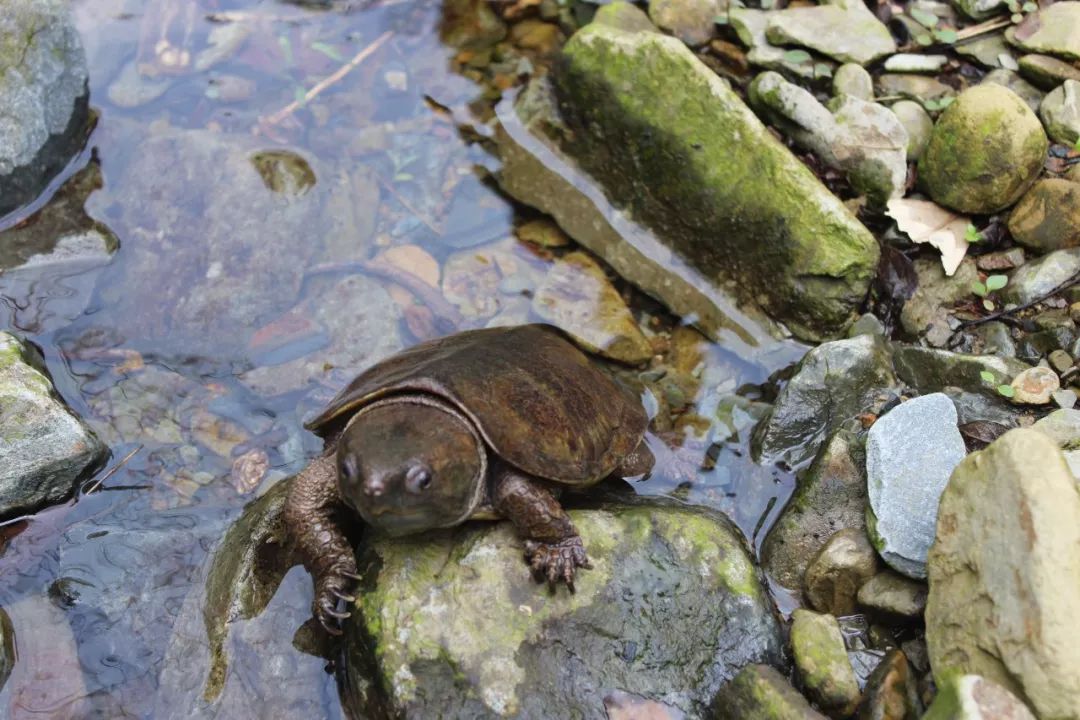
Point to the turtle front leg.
(553, 547)
(311, 511)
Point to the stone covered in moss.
(1060, 112)
(675, 146)
(759, 692)
(822, 662)
(986, 150)
(452, 625)
(46, 450)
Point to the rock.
(46, 449)
(1046, 72)
(1060, 113)
(577, 297)
(666, 582)
(7, 648)
(822, 663)
(910, 453)
(926, 312)
(692, 200)
(844, 30)
(1054, 30)
(915, 63)
(692, 21)
(43, 92)
(1001, 260)
(918, 124)
(1064, 399)
(929, 371)
(759, 691)
(987, 50)
(978, 407)
(1073, 175)
(986, 150)
(1063, 427)
(1011, 79)
(834, 382)
(1003, 573)
(470, 25)
(624, 16)
(853, 79)
(130, 88)
(840, 568)
(970, 697)
(1047, 218)
(750, 25)
(861, 139)
(994, 338)
(979, 9)
(893, 594)
(867, 324)
(891, 690)
(1041, 276)
(830, 496)
(919, 88)
(1035, 385)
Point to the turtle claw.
(329, 589)
(556, 562)
(344, 596)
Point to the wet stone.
(893, 594)
(759, 691)
(891, 690)
(840, 568)
(929, 370)
(1060, 112)
(910, 453)
(1008, 537)
(822, 662)
(1047, 72)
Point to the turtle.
(482, 423)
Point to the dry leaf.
(927, 222)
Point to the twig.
(1012, 311)
(112, 471)
(326, 82)
(408, 206)
(982, 28)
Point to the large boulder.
(1047, 218)
(1004, 572)
(986, 150)
(452, 625)
(46, 450)
(44, 96)
(675, 146)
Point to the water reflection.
(252, 260)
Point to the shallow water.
(234, 306)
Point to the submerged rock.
(736, 204)
(986, 150)
(1047, 218)
(1054, 30)
(830, 496)
(822, 662)
(1060, 112)
(861, 139)
(46, 450)
(910, 453)
(44, 95)
(759, 691)
(1004, 571)
(834, 382)
(971, 697)
(845, 30)
(671, 609)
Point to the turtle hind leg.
(311, 519)
(553, 547)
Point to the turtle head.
(411, 463)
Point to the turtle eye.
(350, 469)
(418, 478)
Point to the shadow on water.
(207, 297)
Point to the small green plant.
(972, 234)
(938, 104)
(983, 289)
(1002, 389)
(1076, 145)
(931, 22)
(1019, 10)
(797, 57)
(1006, 390)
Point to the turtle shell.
(536, 399)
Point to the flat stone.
(915, 63)
(47, 450)
(918, 124)
(822, 663)
(1060, 113)
(920, 88)
(987, 50)
(840, 568)
(834, 382)
(1041, 276)
(893, 594)
(829, 497)
(759, 691)
(845, 31)
(987, 132)
(1047, 72)
(1003, 572)
(910, 453)
(970, 697)
(929, 370)
(1047, 218)
(750, 25)
(1054, 30)
(1035, 385)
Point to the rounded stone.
(853, 79)
(822, 662)
(1035, 386)
(918, 124)
(985, 151)
(1047, 218)
(1060, 113)
(835, 574)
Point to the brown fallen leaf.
(927, 222)
(248, 470)
(980, 433)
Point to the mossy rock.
(452, 624)
(985, 151)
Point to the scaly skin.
(552, 546)
(312, 513)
